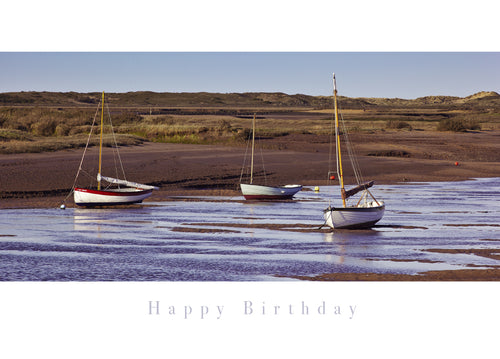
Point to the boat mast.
(100, 145)
(337, 140)
(253, 148)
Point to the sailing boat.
(132, 193)
(259, 192)
(368, 210)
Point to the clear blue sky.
(359, 74)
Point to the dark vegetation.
(459, 125)
(484, 101)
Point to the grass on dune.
(52, 129)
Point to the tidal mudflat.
(431, 231)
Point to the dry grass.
(47, 144)
(37, 129)
(209, 129)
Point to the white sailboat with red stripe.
(263, 192)
(110, 191)
(367, 210)
(133, 193)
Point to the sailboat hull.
(88, 197)
(354, 217)
(258, 192)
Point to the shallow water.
(229, 239)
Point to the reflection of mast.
(337, 140)
(100, 144)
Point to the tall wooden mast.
(253, 148)
(337, 140)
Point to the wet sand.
(45, 179)
(460, 275)
(490, 273)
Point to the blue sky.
(359, 74)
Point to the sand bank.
(45, 179)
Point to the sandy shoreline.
(459, 275)
(33, 180)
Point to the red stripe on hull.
(113, 193)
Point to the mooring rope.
(245, 159)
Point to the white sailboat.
(261, 192)
(367, 210)
(132, 192)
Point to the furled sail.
(351, 192)
(125, 183)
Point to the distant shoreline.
(276, 100)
